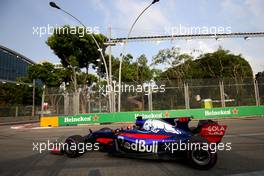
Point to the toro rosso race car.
(164, 139)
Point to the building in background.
(12, 65)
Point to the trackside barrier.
(97, 118)
(49, 121)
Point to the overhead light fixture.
(122, 43)
(158, 42)
(52, 4)
(155, 1)
(218, 39)
(247, 38)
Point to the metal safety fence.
(157, 95)
(147, 96)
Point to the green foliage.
(144, 73)
(75, 49)
(88, 79)
(13, 94)
(223, 64)
(260, 76)
(137, 71)
(79, 50)
(156, 73)
(48, 74)
(219, 64)
(54, 77)
(171, 57)
(260, 79)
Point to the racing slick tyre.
(73, 142)
(105, 129)
(201, 157)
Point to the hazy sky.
(19, 17)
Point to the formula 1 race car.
(164, 139)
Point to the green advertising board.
(242, 111)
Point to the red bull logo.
(141, 146)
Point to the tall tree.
(171, 57)
(48, 74)
(219, 64)
(77, 49)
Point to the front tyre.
(75, 146)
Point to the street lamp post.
(112, 95)
(123, 51)
(54, 5)
(33, 97)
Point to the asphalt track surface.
(17, 157)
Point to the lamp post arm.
(98, 46)
(124, 49)
(52, 4)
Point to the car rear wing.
(213, 133)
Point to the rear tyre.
(105, 129)
(201, 158)
(75, 146)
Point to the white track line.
(256, 173)
(244, 135)
(16, 127)
(37, 128)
